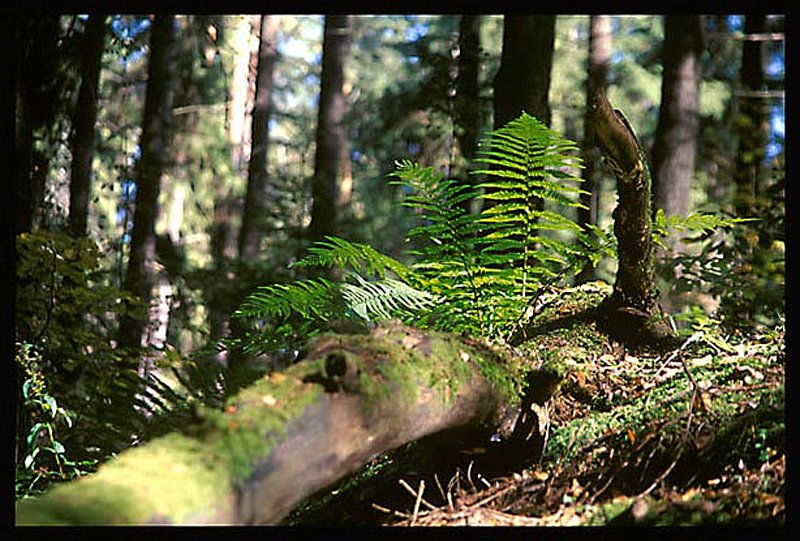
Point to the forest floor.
(695, 436)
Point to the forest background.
(167, 166)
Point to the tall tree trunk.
(40, 88)
(523, 80)
(256, 198)
(153, 143)
(23, 157)
(239, 89)
(752, 122)
(597, 69)
(331, 138)
(675, 143)
(468, 109)
(83, 121)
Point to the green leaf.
(33, 433)
(52, 406)
(57, 447)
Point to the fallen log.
(293, 433)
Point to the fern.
(362, 258)
(700, 223)
(489, 266)
(474, 273)
(530, 163)
(384, 299)
(448, 236)
(283, 315)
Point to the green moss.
(181, 478)
(165, 480)
(255, 420)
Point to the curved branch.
(632, 313)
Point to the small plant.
(709, 266)
(45, 456)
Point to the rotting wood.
(631, 314)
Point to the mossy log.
(292, 433)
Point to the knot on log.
(339, 374)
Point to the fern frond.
(335, 251)
(314, 298)
(384, 299)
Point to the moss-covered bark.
(631, 313)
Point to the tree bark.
(256, 202)
(290, 434)
(330, 191)
(240, 28)
(752, 122)
(675, 144)
(154, 141)
(42, 85)
(467, 105)
(468, 109)
(597, 68)
(83, 122)
(631, 314)
(523, 80)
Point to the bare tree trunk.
(752, 122)
(139, 278)
(331, 148)
(466, 102)
(468, 109)
(40, 86)
(675, 144)
(256, 200)
(84, 118)
(523, 80)
(240, 83)
(597, 68)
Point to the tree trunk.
(523, 80)
(330, 160)
(752, 123)
(631, 313)
(40, 88)
(597, 68)
(291, 434)
(83, 122)
(256, 202)
(468, 107)
(675, 144)
(154, 140)
(239, 88)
